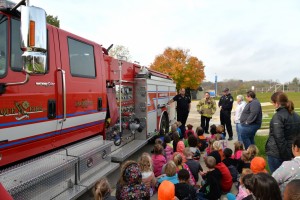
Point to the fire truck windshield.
(3, 45)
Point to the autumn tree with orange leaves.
(187, 71)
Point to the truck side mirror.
(33, 39)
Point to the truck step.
(78, 190)
(127, 150)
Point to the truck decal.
(22, 110)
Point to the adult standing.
(183, 107)
(237, 114)
(206, 107)
(225, 105)
(251, 119)
(284, 127)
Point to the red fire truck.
(69, 113)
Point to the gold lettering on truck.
(84, 103)
(22, 110)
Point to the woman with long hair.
(284, 127)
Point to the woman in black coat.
(284, 127)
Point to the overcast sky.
(235, 39)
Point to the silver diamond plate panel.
(41, 179)
(94, 160)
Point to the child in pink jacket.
(168, 148)
(158, 159)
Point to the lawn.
(266, 97)
(260, 142)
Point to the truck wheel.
(164, 124)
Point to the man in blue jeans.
(251, 119)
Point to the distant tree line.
(240, 86)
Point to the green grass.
(266, 97)
(260, 142)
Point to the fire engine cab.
(69, 112)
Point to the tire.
(164, 124)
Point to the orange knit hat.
(258, 164)
(166, 191)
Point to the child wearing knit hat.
(258, 164)
(166, 191)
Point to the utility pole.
(216, 85)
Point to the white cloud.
(249, 39)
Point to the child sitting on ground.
(102, 190)
(211, 187)
(253, 151)
(182, 189)
(174, 129)
(130, 185)
(244, 162)
(202, 142)
(210, 146)
(258, 164)
(181, 165)
(193, 144)
(213, 131)
(159, 141)
(176, 139)
(178, 124)
(238, 149)
(189, 130)
(185, 141)
(158, 159)
(169, 173)
(166, 191)
(242, 193)
(228, 160)
(292, 191)
(217, 146)
(226, 180)
(230, 163)
(193, 165)
(148, 177)
(262, 186)
(168, 148)
(180, 148)
(221, 131)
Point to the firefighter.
(183, 108)
(225, 105)
(206, 107)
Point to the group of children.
(174, 171)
